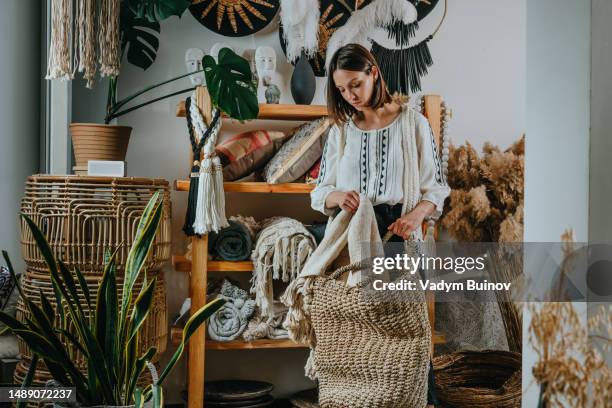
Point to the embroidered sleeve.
(326, 183)
(434, 187)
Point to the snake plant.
(109, 337)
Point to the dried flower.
(486, 202)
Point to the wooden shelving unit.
(255, 187)
(199, 266)
(278, 111)
(176, 333)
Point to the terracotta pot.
(92, 141)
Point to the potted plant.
(138, 20)
(109, 337)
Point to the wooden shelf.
(182, 264)
(176, 333)
(278, 111)
(255, 187)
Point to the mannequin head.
(193, 62)
(265, 60)
(214, 50)
(354, 82)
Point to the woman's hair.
(353, 57)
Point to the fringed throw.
(229, 322)
(283, 246)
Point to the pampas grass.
(486, 201)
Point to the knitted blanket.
(260, 327)
(283, 246)
(229, 322)
(234, 243)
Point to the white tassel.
(202, 223)
(362, 22)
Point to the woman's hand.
(409, 222)
(346, 200)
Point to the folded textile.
(283, 246)
(229, 322)
(260, 327)
(234, 243)
(345, 230)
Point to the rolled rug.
(234, 243)
(229, 322)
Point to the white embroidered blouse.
(372, 164)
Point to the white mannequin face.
(193, 62)
(265, 59)
(214, 51)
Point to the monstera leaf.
(157, 10)
(139, 38)
(230, 85)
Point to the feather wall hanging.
(403, 68)
(400, 32)
(300, 21)
(378, 14)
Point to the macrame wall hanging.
(234, 18)
(378, 14)
(331, 15)
(403, 68)
(206, 200)
(83, 31)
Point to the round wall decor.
(234, 18)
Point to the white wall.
(557, 144)
(600, 222)
(20, 45)
(479, 67)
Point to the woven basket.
(154, 332)
(369, 352)
(479, 379)
(82, 217)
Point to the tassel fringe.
(413, 63)
(401, 33)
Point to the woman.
(372, 159)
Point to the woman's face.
(355, 86)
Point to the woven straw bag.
(370, 350)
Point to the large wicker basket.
(154, 332)
(489, 378)
(82, 217)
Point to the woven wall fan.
(234, 18)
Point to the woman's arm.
(326, 182)
(434, 188)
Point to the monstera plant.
(110, 336)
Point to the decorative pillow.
(313, 174)
(246, 152)
(299, 153)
